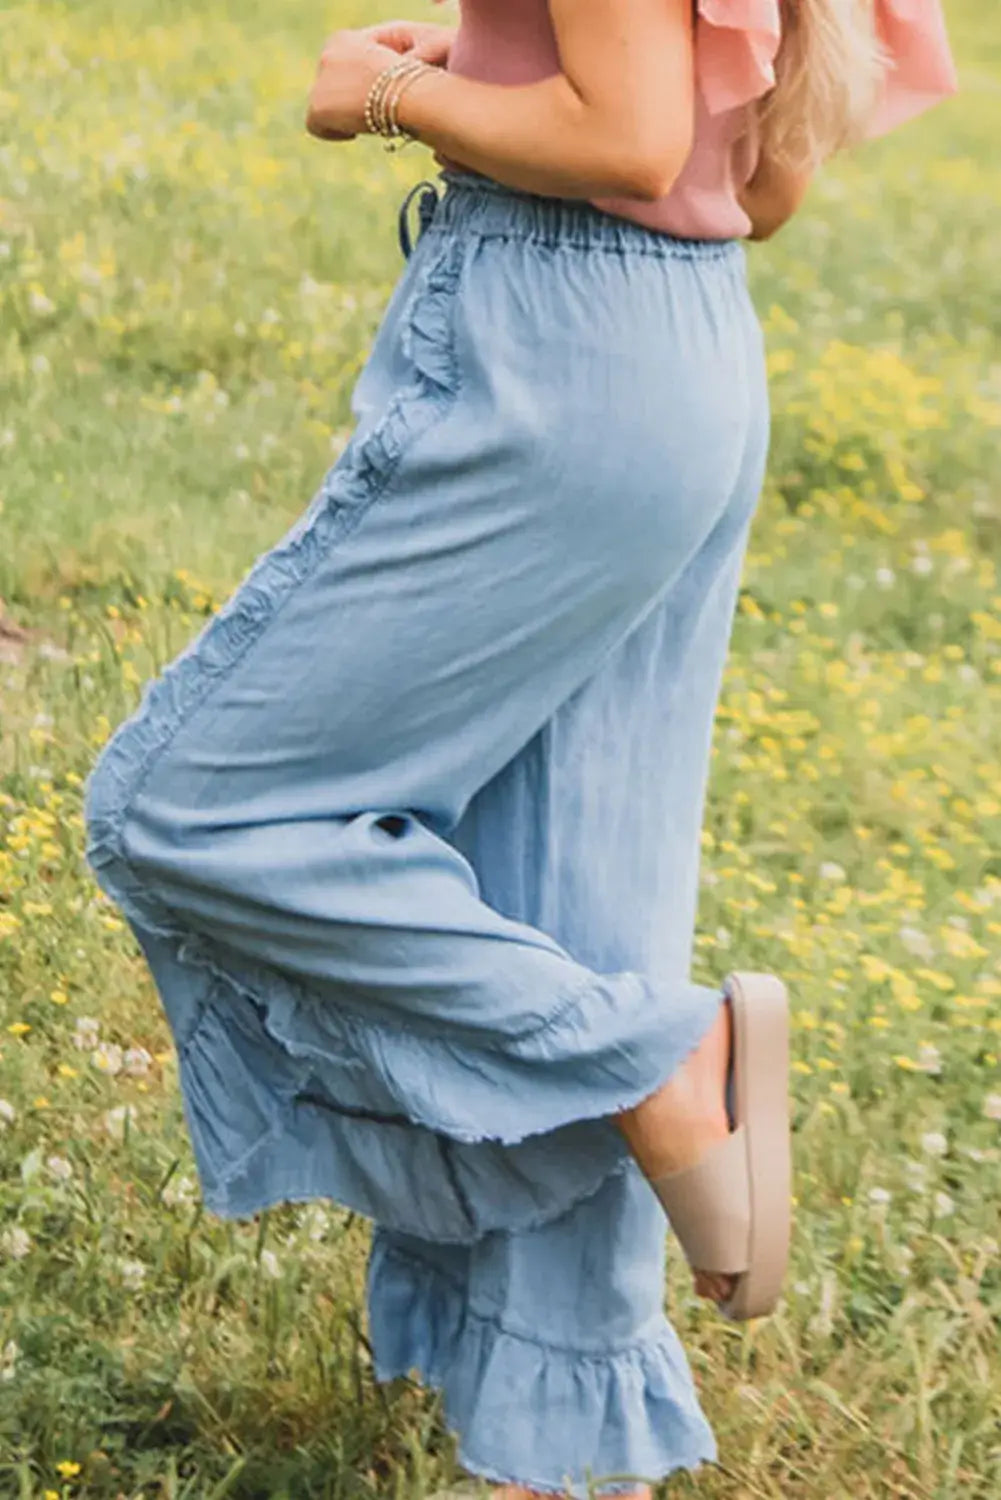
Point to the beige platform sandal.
(731, 1211)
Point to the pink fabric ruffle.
(923, 70)
(736, 44)
(735, 51)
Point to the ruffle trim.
(735, 53)
(923, 71)
(362, 471)
(443, 1137)
(529, 1413)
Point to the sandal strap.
(709, 1206)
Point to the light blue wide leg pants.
(410, 834)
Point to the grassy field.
(188, 284)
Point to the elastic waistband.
(484, 206)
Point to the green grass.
(188, 285)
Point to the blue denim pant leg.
(550, 1346)
(560, 433)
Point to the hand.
(348, 64)
(423, 38)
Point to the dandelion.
(85, 1033)
(67, 1469)
(15, 1242)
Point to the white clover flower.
(270, 1265)
(8, 1114)
(879, 1196)
(179, 1192)
(15, 1242)
(317, 1223)
(8, 1360)
(137, 1062)
(85, 1033)
(992, 1107)
(829, 870)
(922, 565)
(117, 1120)
(944, 1205)
(59, 1168)
(934, 1143)
(917, 942)
(885, 578)
(723, 938)
(132, 1272)
(929, 1058)
(107, 1058)
(916, 1176)
(902, 1260)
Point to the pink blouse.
(512, 41)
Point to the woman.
(410, 834)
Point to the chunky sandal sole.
(731, 1211)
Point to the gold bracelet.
(384, 95)
(389, 99)
(403, 83)
(375, 113)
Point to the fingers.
(396, 34)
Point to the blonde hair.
(828, 71)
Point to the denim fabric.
(409, 834)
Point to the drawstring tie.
(426, 205)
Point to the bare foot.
(675, 1127)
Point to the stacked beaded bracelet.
(383, 99)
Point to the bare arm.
(617, 119)
(772, 197)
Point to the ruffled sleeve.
(735, 47)
(922, 71)
(737, 41)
